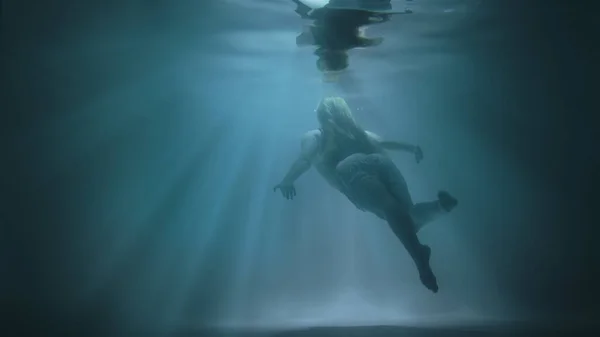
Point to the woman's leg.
(426, 212)
(366, 179)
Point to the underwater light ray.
(269, 272)
(263, 164)
(271, 234)
(229, 170)
(253, 228)
(291, 225)
(278, 248)
(380, 262)
(335, 265)
(134, 202)
(344, 231)
(165, 246)
(225, 165)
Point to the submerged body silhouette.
(353, 161)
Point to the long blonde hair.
(340, 127)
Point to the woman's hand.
(287, 190)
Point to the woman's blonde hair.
(336, 112)
(349, 137)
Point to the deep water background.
(142, 140)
